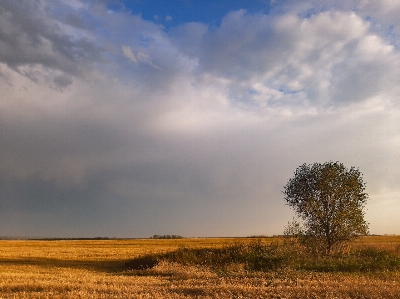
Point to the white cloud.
(143, 57)
(385, 11)
(128, 53)
(300, 60)
(382, 15)
(76, 4)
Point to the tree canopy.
(330, 200)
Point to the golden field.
(95, 269)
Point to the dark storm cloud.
(29, 37)
(62, 81)
(38, 195)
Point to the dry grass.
(95, 269)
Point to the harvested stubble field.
(96, 269)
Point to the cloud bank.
(112, 125)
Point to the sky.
(188, 117)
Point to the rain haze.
(134, 118)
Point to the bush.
(142, 263)
(257, 256)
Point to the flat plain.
(96, 269)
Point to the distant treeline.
(70, 239)
(166, 237)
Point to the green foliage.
(364, 260)
(257, 256)
(329, 199)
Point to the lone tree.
(329, 199)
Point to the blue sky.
(176, 12)
(135, 118)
